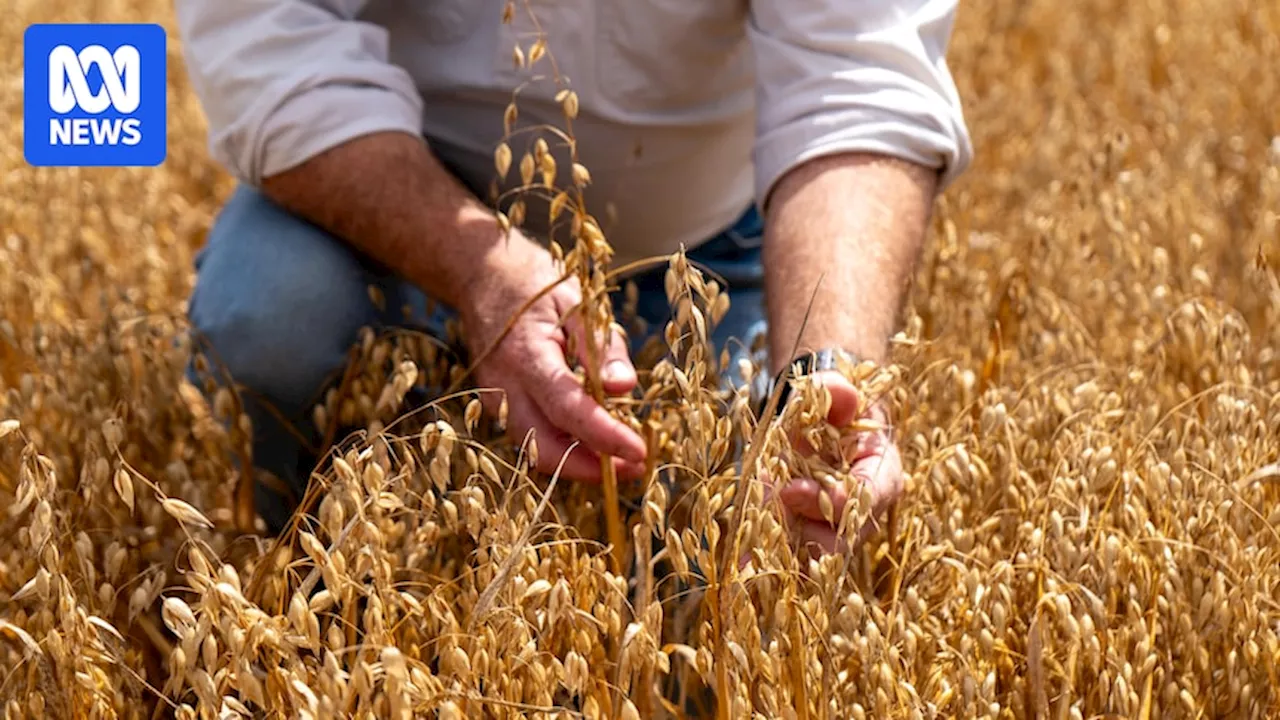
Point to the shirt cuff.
(927, 139)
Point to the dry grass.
(1087, 385)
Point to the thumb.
(844, 398)
(617, 373)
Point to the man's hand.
(530, 365)
(388, 196)
(872, 459)
(842, 235)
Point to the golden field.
(1087, 394)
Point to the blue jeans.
(278, 302)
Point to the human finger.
(882, 473)
(843, 410)
(582, 465)
(614, 367)
(564, 402)
(820, 535)
(803, 498)
(844, 407)
(617, 374)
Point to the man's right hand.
(389, 196)
(530, 363)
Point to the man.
(783, 142)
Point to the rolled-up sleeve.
(281, 81)
(855, 75)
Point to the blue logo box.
(94, 95)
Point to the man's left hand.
(873, 461)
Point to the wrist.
(506, 270)
(825, 359)
(860, 351)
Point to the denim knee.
(278, 301)
(734, 258)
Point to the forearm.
(389, 197)
(844, 231)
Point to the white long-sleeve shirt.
(690, 110)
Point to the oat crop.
(1086, 392)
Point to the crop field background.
(1086, 392)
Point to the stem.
(613, 522)
(643, 538)
(798, 658)
(721, 654)
(612, 518)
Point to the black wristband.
(824, 359)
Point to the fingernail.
(617, 370)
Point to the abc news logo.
(69, 89)
(95, 95)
